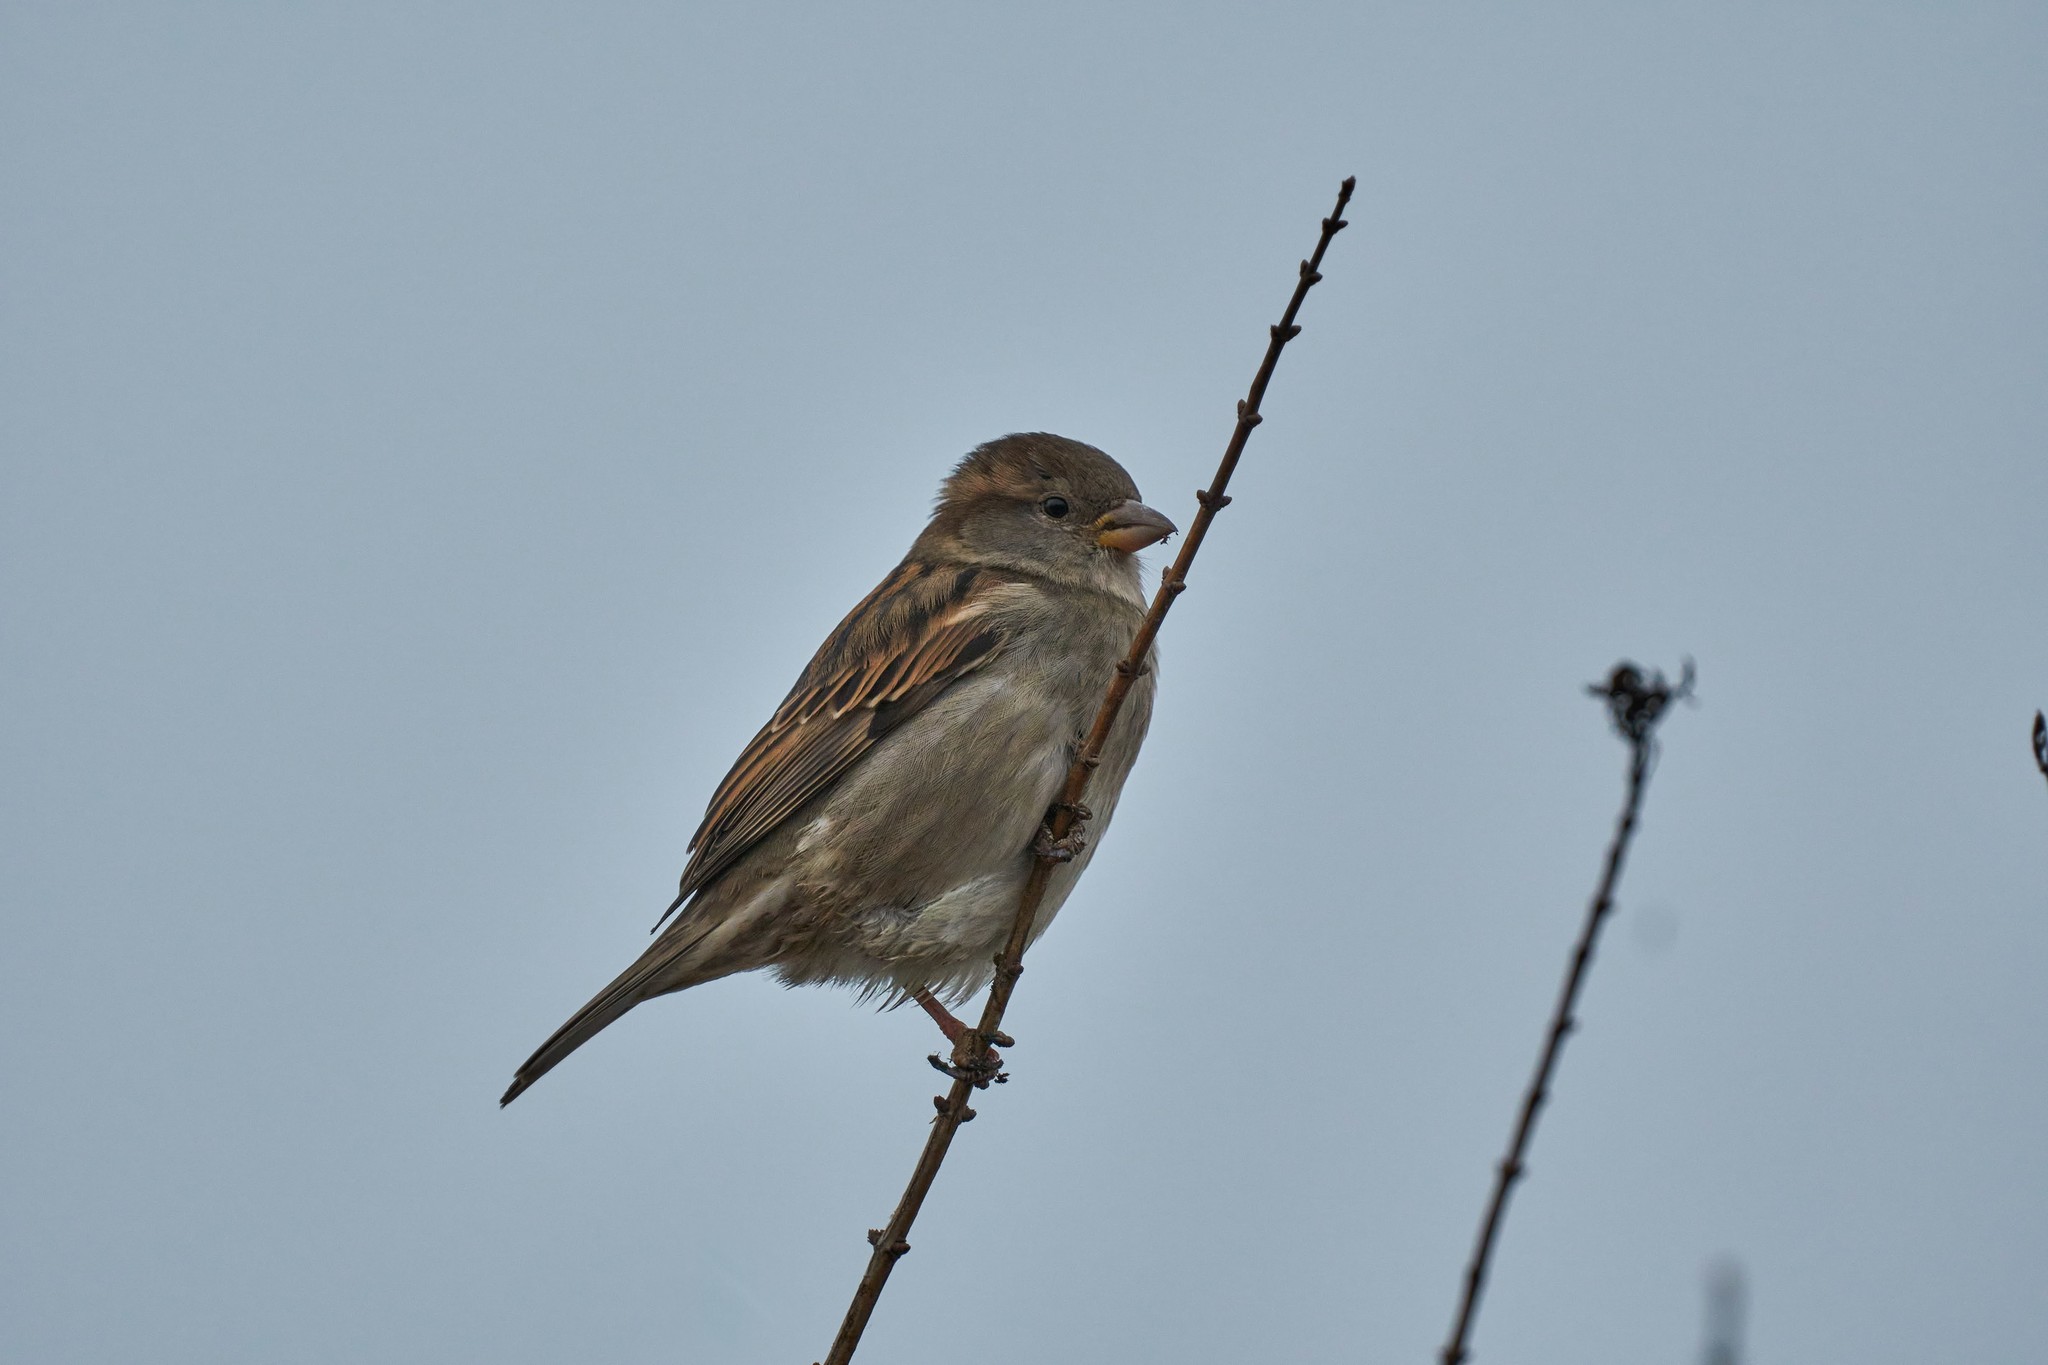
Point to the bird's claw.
(979, 1072)
(1061, 850)
(974, 1061)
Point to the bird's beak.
(1131, 526)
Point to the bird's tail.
(666, 966)
(613, 1001)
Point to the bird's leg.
(965, 1065)
(941, 1016)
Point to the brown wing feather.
(920, 630)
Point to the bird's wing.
(924, 627)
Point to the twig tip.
(1637, 700)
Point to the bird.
(878, 831)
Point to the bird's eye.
(1054, 507)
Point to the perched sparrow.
(879, 830)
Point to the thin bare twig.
(1727, 1305)
(1635, 704)
(890, 1243)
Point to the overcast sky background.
(436, 435)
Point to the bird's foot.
(980, 1072)
(972, 1058)
(1064, 849)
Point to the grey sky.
(436, 435)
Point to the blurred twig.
(969, 1070)
(1635, 703)
(2041, 743)
(1727, 1305)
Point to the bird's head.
(1046, 505)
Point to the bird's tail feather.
(664, 967)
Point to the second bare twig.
(1635, 703)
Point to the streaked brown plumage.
(877, 831)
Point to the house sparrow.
(879, 829)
